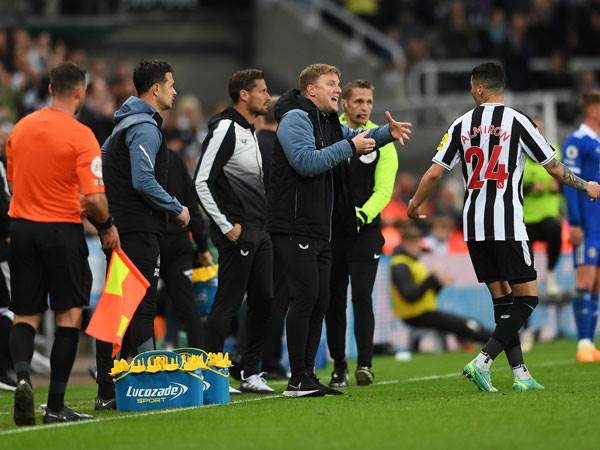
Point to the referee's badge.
(368, 158)
(442, 142)
(96, 167)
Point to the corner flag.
(123, 291)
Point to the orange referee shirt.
(52, 159)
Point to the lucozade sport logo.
(157, 395)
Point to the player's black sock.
(509, 324)
(62, 358)
(21, 349)
(514, 355)
(5, 327)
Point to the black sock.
(104, 362)
(510, 323)
(64, 351)
(21, 349)
(5, 327)
(513, 351)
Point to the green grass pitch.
(421, 404)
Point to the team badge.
(368, 158)
(592, 252)
(442, 142)
(572, 152)
(96, 167)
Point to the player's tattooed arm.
(564, 175)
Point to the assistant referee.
(51, 159)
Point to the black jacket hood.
(229, 113)
(293, 99)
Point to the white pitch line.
(237, 402)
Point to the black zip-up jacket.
(131, 211)
(309, 144)
(299, 204)
(229, 177)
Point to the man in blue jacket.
(135, 168)
(310, 142)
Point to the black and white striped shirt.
(492, 142)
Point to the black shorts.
(510, 261)
(48, 259)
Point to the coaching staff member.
(51, 159)
(135, 159)
(363, 187)
(229, 183)
(310, 142)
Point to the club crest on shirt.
(96, 167)
(592, 252)
(571, 152)
(368, 158)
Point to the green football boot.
(526, 385)
(480, 377)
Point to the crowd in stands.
(511, 31)
(25, 61)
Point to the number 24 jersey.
(492, 143)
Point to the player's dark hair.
(356, 84)
(149, 72)
(243, 80)
(66, 77)
(491, 75)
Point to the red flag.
(123, 291)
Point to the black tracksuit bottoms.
(306, 263)
(245, 267)
(355, 260)
(143, 251)
(176, 263)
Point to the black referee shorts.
(510, 261)
(48, 259)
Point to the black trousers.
(176, 263)
(143, 250)
(549, 231)
(466, 329)
(272, 351)
(307, 265)
(245, 267)
(354, 261)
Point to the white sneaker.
(255, 383)
(234, 391)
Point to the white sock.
(483, 361)
(585, 343)
(521, 372)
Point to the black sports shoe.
(364, 376)
(7, 383)
(339, 378)
(326, 389)
(23, 413)
(303, 386)
(64, 415)
(101, 404)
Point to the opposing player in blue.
(581, 153)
